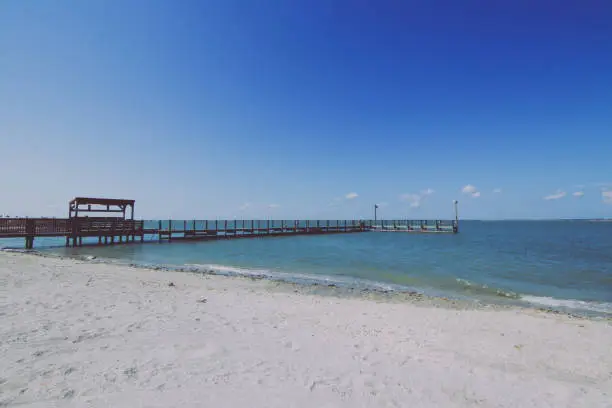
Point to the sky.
(319, 109)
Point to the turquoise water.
(557, 264)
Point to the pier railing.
(177, 229)
(19, 227)
(111, 230)
(416, 225)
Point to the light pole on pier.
(375, 215)
(456, 227)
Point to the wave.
(477, 288)
(569, 304)
(301, 278)
(549, 302)
(465, 289)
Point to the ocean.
(562, 265)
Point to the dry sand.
(78, 334)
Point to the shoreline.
(77, 333)
(317, 286)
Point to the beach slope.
(76, 334)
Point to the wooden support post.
(99, 239)
(30, 229)
(169, 230)
(268, 226)
(307, 226)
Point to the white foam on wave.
(303, 278)
(599, 307)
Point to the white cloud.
(244, 206)
(497, 190)
(471, 190)
(273, 206)
(578, 194)
(415, 200)
(606, 196)
(427, 192)
(559, 194)
(351, 196)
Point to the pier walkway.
(117, 229)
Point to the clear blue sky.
(283, 109)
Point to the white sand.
(77, 335)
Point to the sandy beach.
(78, 334)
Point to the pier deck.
(116, 231)
(109, 229)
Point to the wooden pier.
(224, 229)
(417, 226)
(108, 230)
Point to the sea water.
(563, 265)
